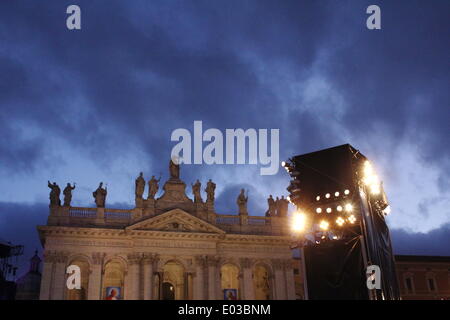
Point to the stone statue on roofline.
(153, 187)
(271, 207)
(68, 194)
(210, 190)
(54, 194)
(100, 196)
(196, 188)
(242, 202)
(140, 185)
(174, 168)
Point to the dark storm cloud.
(117, 63)
(435, 242)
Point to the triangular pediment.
(175, 220)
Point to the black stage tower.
(341, 208)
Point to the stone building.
(28, 285)
(423, 277)
(169, 247)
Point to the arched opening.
(79, 294)
(168, 291)
(229, 274)
(113, 281)
(261, 283)
(174, 275)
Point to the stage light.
(328, 210)
(319, 210)
(340, 221)
(327, 196)
(317, 198)
(336, 194)
(335, 237)
(348, 207)
(324, 225)
(288, 198)
(375, 189)
(283, 163)
(347, 192)
(339, 208)
(352, 219)
(298, 221)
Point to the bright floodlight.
(340, 221)
(327, 195)
(348, 207)
(324, 225)
(347, 192)
(375, 189)
(370, 178)
(298, 222)
(328, 210)
(339, 208)
(336, 194)
(352, 219)
(319, 210)
(317, 198)
(283, 163)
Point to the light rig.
(340, 224)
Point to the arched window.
(229, 278)
(431, 282)
(82, 293)
(261, 282)
(113, 281)
(408, 282)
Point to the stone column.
(212, 270)
(199, 280)
(161, 280)
(290, 281)
(95, 277)
(280, 281)
(59, 277)
(249, 291)
(185, 286)
(47, 274)
(134, 260)
(147, 268)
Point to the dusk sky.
(100, 103)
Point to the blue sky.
(99, 104)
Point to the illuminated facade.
(171, 247)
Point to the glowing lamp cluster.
(336, 195)
(348, 207)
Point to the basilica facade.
(171, 247)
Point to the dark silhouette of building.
(8, 268)
(28, 286)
